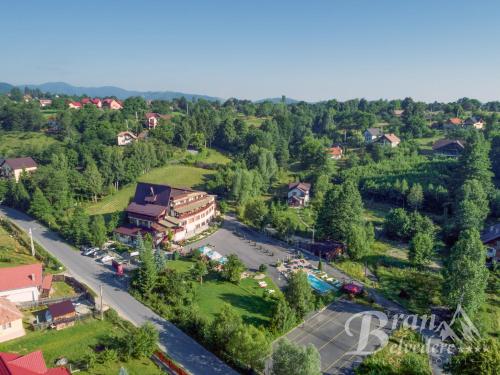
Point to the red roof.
(75, 104)
(96, 100)
(152, 115)
(29, 364)
(8, 311)
(61, 309)
(335, 151)
(391, 138)
(21, 277)
(85, 101)
(304, 186)
(47, 282)
(455, 121)
(20, 163)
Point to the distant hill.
(67, 89)
(5, 87)
(278, 100)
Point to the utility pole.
(32, 244)
(102, 307)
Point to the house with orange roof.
(24, 283)
(29, 364)
(453, 123)
(335, 152)
(389, 140)
(112, 104)
(75, 105)
(11, 321)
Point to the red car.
(353, 289)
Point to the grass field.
(12, 253)
(176, 175)
(247, 298)
(253, 120)
(61, 289)
(73, 343)
(16, 144)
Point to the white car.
(90, 251)
(107, 258)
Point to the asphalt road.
(182, 348)
(326, 331)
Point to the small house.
(372, 134)
(112, 104)
(61, 315)
(29, 364)
(335, 152)
(448, 147)
(491, 239)
(152, 120)
(389, 140)
(97, 102)
(45, 102)
(453, 123)
(74, 105)
(474, 122)
(125, 138)
(11, 321)
(298, 194)
(12, 168)
(23, 283)
(398, 112)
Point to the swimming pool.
(319, 285)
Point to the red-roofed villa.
(29, 364)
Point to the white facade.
(296, 192)
(28, 294)
(196, 223)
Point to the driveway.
(182, 348)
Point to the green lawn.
(247, 298)
(394, 360)
(16, 144)
(209, 156)
(176, 175)
(253, 120)
(61, 289)
(73, 343)
(12, 253)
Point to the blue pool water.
(318, 284)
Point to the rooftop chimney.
(33, 276)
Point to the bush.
(263, 268)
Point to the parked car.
(107, 258)
(91, 251)
(98, 254)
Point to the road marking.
(338, 359)
(333, 338)
(314, 327)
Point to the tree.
(256, 212)
(98, 231)
(224, 326)
(93, 181)
(283, 318)
(421, 249)
(199, 270)
(473, 206)
(341, 210)
(290, 358)
(475, 161)
(483, 359)
(358, 242)
(40, 207)
(232, 269)
(141, 342)
(312, 154)
(466, 274)
(147, 275)
(299, 295)
(250, 346)
(78, 227)
(415, 197)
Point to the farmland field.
(176, 175)
(16, 144)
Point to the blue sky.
(310, 50)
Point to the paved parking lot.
(326, 331)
